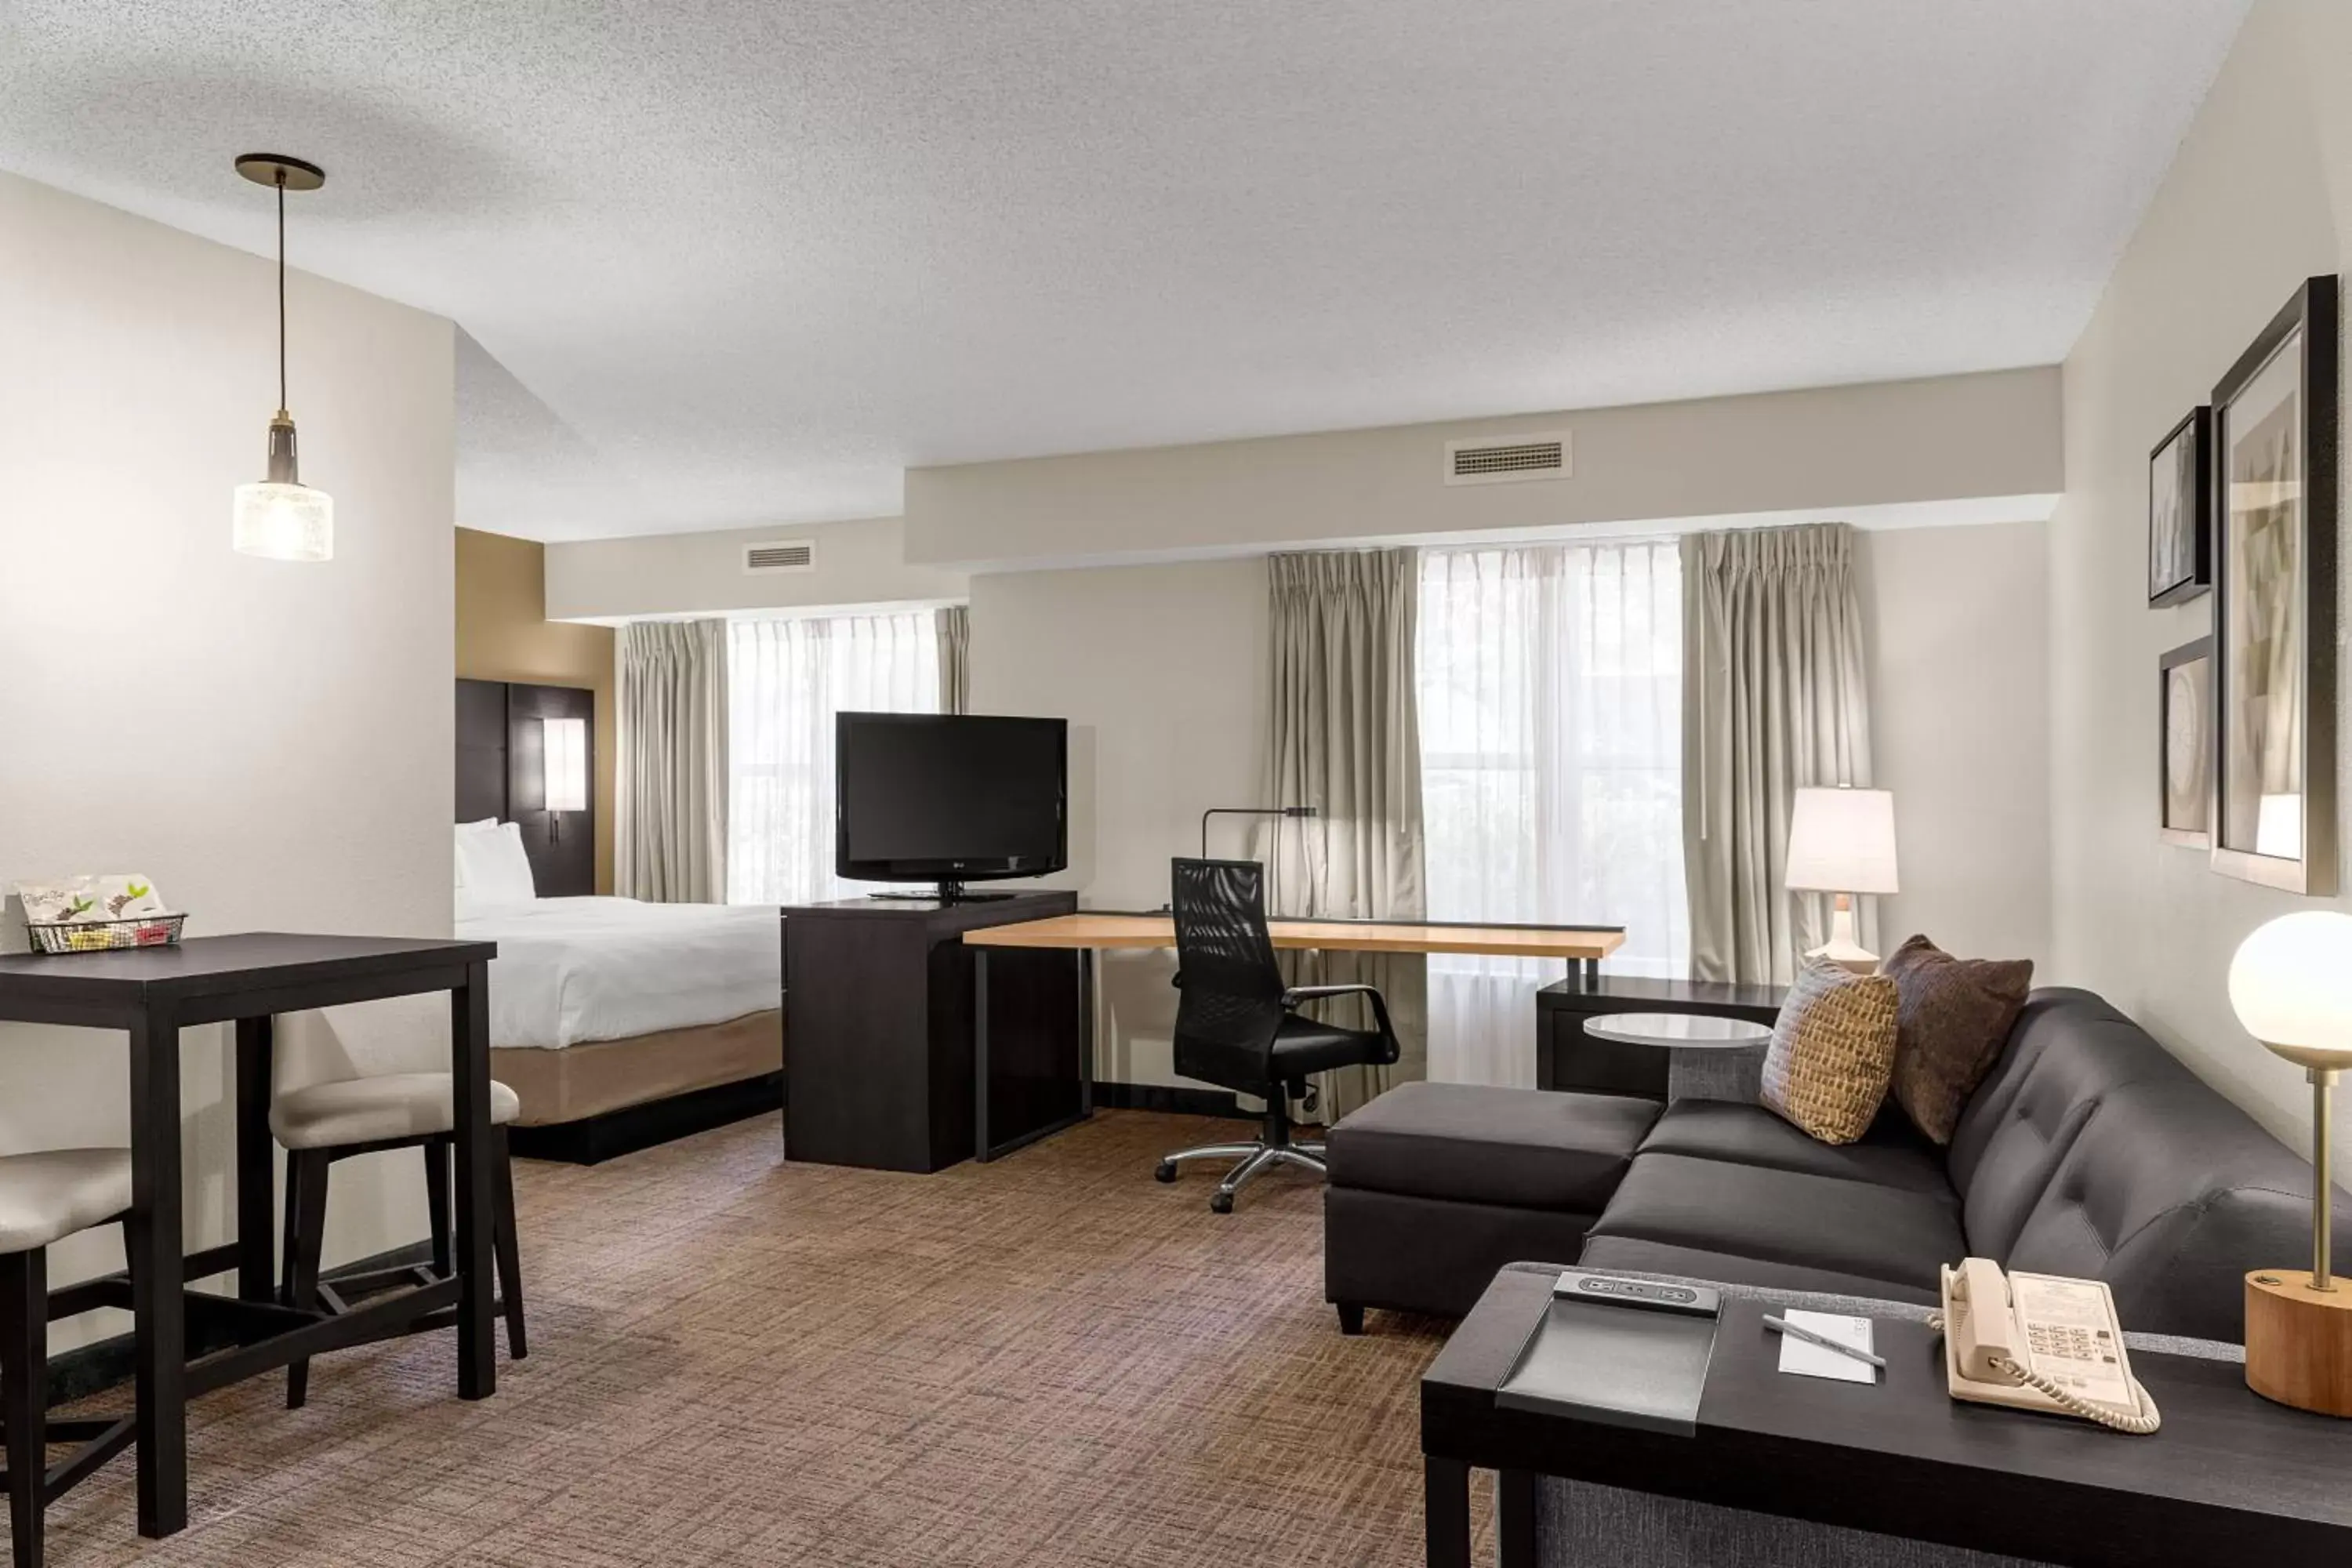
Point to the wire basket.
(105, 936)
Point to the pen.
(1827, 1343)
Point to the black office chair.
(1237, 1024)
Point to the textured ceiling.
(733, 261)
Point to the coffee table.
(2230, 1478)
(1693, 1071)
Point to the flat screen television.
(950, 798)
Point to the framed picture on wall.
(2180, 511)
(2185, 712)
(2273, 818)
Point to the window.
(786, 680)
(1550, 691)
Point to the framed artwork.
(2180, 511)
(2273, 818)
(2185, 707)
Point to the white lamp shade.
(284, 523)
(566, 755)
(1842, 841)
(2290, 984)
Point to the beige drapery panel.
(670, 843)
(1346, 738)
(954, 624)
(1775, 696)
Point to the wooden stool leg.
(306, 1198)
(510, 1249)
(24, 1388)
(437, 1196)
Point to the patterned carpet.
(1048, 1359)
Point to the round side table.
(1714, 1058)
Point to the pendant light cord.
(281, 290)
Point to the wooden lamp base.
(2299, 1341)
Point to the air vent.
(1506, 460)
(783, 555)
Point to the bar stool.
(368, 1111)
(43, 1198)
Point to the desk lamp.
(1842, 841)
(2291, 986)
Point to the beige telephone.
(2035, 1341)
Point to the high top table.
(150, 994)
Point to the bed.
(618, 1024)
(601, 1007)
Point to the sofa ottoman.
(1434, 1186)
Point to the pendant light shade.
(279, 517)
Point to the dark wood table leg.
(980, 1054)
(155, 1241)
(1515, 1519)
(1085, 1031)
(257, 1172)
(1445, 1504)
(470, 1065)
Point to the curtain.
(787, 679)
(1551, 682)
(953, 628)
(670, 836)
(1774, 697)
(1345, 739)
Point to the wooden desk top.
(1117, 930)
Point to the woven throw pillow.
(1955, 1015)
(1832, 1052)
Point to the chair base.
(1272, 1146)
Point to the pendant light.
(281, 518)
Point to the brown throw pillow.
(1832, 1052)
(1955, 1016)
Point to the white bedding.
(573, 969)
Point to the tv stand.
(880, 1009)
(947, 893)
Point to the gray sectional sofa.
(2088, 1151)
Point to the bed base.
(593, 1140)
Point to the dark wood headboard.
(500, 774)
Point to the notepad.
(1815, 1361)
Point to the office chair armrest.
(1299, 995)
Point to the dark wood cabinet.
(878, 997)
(1568, 1059)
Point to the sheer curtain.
(786, 680)
(1551, 686)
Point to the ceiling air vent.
(1505, 459)
(783, 555)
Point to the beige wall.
(858, 562)
(503, 634)
(2259, 198)
(1967, 444)
(1163, 672)
(1959, 678)
(269, 742)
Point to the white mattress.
(573, 969)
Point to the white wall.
(268, 742)
(858, 562)
(1163, 673)
(1968, 445)
(1960, 678)
(2259, 197)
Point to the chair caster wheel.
(1166, 1172)
(1221, 1203)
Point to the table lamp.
(1842, 841)
(2291, 986)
